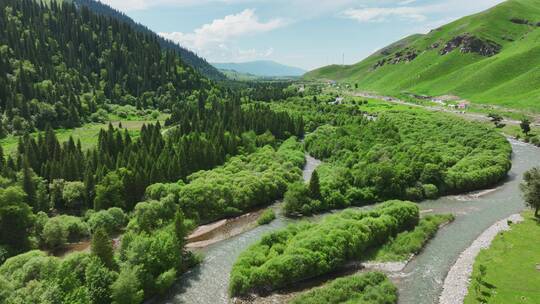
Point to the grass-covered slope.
(507, 272)
(490, 57)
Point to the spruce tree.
(315, 187)
(102, 247)
(28, 184)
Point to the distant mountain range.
(492, 57)
(192, 59)
(263, 68)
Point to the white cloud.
(213, 39)
(407, 2)
(131, 5)
(379, 14)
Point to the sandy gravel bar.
(456, 284)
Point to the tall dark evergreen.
(102, 247)
(314, 186)
(29, 186)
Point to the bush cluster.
(266, 217)
(307, 250)
(369, 288)
(411, 242)
(406, 155)
(243, 183)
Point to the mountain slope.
(261, 68)
(60, 64)
(491, 57)
(188, 56)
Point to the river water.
(420, 282)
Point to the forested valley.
(210, 151)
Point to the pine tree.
(315, 187)
(102, 248)
(29, 186)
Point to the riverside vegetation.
(369, 288)
(224, 149)
(397, 154)
(307, 250)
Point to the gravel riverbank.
(456, 284)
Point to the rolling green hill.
(492, 57)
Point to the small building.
(463, 105)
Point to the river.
(422, 279)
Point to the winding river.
(420, 282)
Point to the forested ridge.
(59, 64)
(61, 67)
(189, 57)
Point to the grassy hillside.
(492, 57)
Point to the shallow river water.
(421, 281)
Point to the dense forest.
(198, 63)
(59, 64)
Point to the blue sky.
(302, 33)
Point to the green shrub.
(411, 242)
(112, 219)
(266, 217)
(54, 234)
(165, 281)
(369, 288)
(430, 191)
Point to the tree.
(16, 218)
(127, 288)
(102, 248)
(180, 227)
(28, 185)
(296, 197)
(314, 186)
(54, 234)
(74, 195)
(109, 192)
(497, 120)
(525, 126)
(531, 189)
(99, 280)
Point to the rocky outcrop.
(467, 43)
(524, 22)
(520, 21)
(404, 56)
